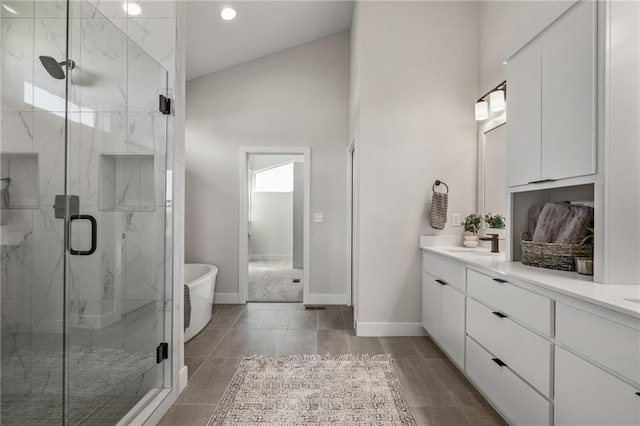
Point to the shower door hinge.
(60, 205)
(162, 352)
(165, 105)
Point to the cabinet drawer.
(587, 395)
(613, 345)
(524, 352)
(516, 399)
(444, 270)
(530, 308)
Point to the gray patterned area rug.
(314, 390)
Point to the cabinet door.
(568, 95)
(431, 306)
(524, 122)
(586, 395)
(452, 310)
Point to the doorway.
(274, 226)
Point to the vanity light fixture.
(496, 100)
(482, 110)
(132, 8)
(228, 13)
(496, 97)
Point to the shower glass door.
(84, 227)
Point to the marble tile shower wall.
(113, 118)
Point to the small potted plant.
(494, 221)
(496, 224)
(471, 227)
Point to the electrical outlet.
(455, 220)
(317, 218)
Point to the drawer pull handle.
(499, 362)
(638, 393)
(499, 314)
(498, 280)
(442, 282)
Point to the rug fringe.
(327, 357)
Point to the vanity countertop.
(622, 298)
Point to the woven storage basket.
(554, 256)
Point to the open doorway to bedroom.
(273, 265)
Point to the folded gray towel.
(563, 223)
(439, 205)
(534, 214)
(187, 307)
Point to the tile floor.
(437, 392)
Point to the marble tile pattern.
(116, 296)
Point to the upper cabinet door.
(524, 120)
(568, 95)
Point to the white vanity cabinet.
(551, 132)
(541, 354)
(509, 355)
(587, 395)
(597, 378)
(443, 305)
(518, 401)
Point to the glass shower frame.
(81, 313)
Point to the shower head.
(55, 68)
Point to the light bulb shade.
(496, 100)
(482, 110)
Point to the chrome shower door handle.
(94, 235)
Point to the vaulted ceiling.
(260, 28)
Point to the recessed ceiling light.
(132, 8)
(10, 9)
(504, 63)
(228, 13)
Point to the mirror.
(492, 167)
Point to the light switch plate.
(455, 220)
(317, 218)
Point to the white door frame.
(351, 232)
(243, 272)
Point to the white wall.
(272, 225)
(414, 107)
(297, 97)
(504, 27)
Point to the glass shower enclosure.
(85, 237)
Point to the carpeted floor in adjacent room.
(274, 281)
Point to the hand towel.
(439, 205)
(563, 223)
(187, 307)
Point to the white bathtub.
(201, 280)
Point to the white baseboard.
(326, 299)
(226, 298)
(389, 329)
(183, 378)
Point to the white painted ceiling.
(261, 28)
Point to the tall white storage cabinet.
(568, 95)
(524, 127)
(552, 97)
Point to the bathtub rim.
(212, 272)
